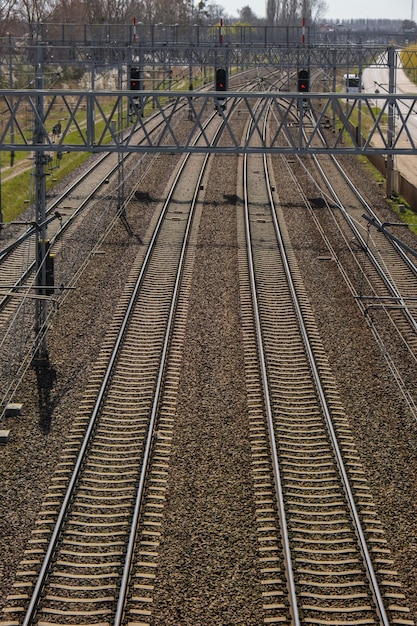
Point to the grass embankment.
(18, 189)
(408, 58)
(18, 180)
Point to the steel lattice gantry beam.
(118, 121)
(202, 53)
(263, 55)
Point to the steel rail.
(394, 369)
(374, 218)
(55, 203)
(74, 215)
(322, 397)
(24, 363)
(95, 413)
(4, 298)
(124, 587)
(4, 254)
(43, 574)
(387, 281)
(30, 231)
(399, 246)
(402, 303)
(326, 412)
(383, 275)
(268, 408)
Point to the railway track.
(78, 220)
(18, 256)
(322, 553)
(327, 524)
(380, 273)
(396, 270)
(101, 480)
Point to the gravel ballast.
(212, 397)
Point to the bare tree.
(319, 10)
(95, 11)
(7, 11)
(291, 12)
(214, 12)
(272, 11)
(34, 10)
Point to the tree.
(272, 11)
(318, 10)
(7, 11)
(33, 11)
(291, 12)
(409, 26)
(214, 12)
(247, 16)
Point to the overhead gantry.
(112, 121)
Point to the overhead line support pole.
(41, 357)
(391, 120)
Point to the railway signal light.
(134, 79)
(303, 81)
(221, 85)
(221, 79)
(135, 84)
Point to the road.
(375, 79)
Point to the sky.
(339, 9)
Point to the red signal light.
(134, 79)
(221, 78)
(303, 80)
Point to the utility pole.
(1, 202)
(41, 357)
(391, 119)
